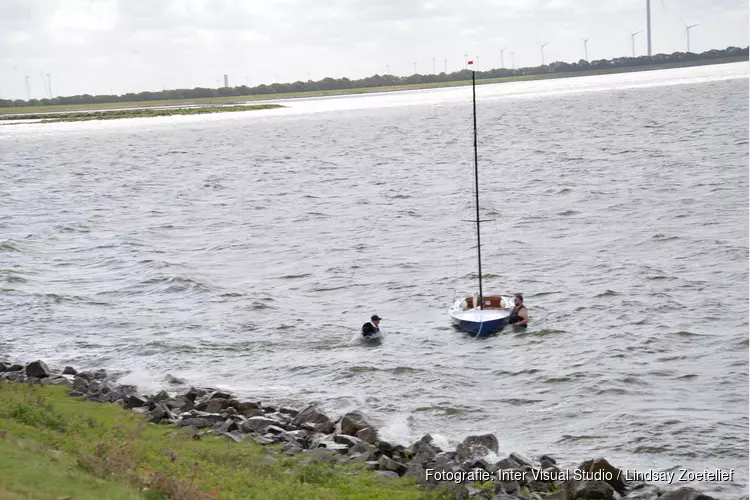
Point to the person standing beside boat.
(519, 316)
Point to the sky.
(119, 46)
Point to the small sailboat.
(481, 315)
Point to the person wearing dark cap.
(370, 329)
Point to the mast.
(476, 186)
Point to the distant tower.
(226, 80)
(586, 48)
(648, 25)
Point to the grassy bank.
(133, 113)
(55, 446)
(322, 93)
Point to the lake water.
(245, 250)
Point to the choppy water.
(246, 250)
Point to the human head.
(518, 299)
(375, 319)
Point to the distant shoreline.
(19, 112)
(82, 115)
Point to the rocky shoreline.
(469, 471)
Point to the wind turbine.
(687, 32)
(648, 24)
(586, 48)
(502, 60)
(513, 60)
(542, 51)
(632, 40)
(466, 61)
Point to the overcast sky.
(118, 46)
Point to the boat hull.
(478, 322)
(482, 328)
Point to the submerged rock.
(475, 448)
(520, 460)
(489, 441)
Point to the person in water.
(519, 316)
(370, 329)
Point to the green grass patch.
(134, 113)
(56, 446)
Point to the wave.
(683, 333)
(8, 246)
(173, 284)
(530, 371)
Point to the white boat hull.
(481, 322)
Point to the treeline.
(379, 80)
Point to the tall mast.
(476, 186)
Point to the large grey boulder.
(353, 422)
(313, 419)
(38, 369)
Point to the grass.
(54, 446)
(322, 93)
(133, 113)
